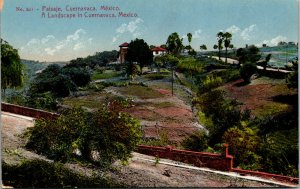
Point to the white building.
(158, 51)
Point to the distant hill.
(281, 55)
(32, 67)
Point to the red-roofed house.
(158, 51)
(122, 52)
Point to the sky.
(44, 38)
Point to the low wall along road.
(222, 162)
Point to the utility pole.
(286, 47)
(172, 81)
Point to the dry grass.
(259, 95)
(93, 100)
(140, 92)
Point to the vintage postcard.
(138, 93)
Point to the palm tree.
(220, 42)
(227, 39)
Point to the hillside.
(205, 104)
(142, 171)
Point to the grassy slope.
(264, 96)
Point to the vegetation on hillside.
(258, 141)
(253, 141)
(42, 174)
(11, 67)
(100, 138)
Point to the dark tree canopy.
(139, 51)
(219, 46)
(79, 76)
(203, 47)
(100, 59)
(250, 54)
(60, 81)
(174, 44)
(227, 37)
(247, 70)
(11, 67)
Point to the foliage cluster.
(100, 137)
(132, 70)
(223, 112)
(11, 67)
(60, 81)
(292, 78)
(190, 66)
(99, 59)
(198, 141)
(227, 75)
(139, 51)
(174, 44)
(210, 82)
(104, 75)
(249, 54)
(157, 76)
(268, 144)
(162, 140)
(247, 70)
(139, 91)
(42, 174)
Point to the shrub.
(228, 75)
(292, 78)
(209, 83)
(45, 101)
(223, 112)
(131, 70)
(198, 141)
(244, 144)
(59, 81)
(162, 140)
(42, 174)
(108, 133)
(247, 70)
(157, 76)
(79, 76)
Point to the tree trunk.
(4, 95)
(226, 55)
(141, 67)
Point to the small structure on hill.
(123, 52)
(157, 51)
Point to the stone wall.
(30, 112)
(222, 161)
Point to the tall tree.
(174, 44)
(220, 43)
(11, 67)
(139, 51)
(292, 78)
(250, 54)
(227, 39)
(189, 35)
(267, 59)
(215, 46)
(203, 47)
